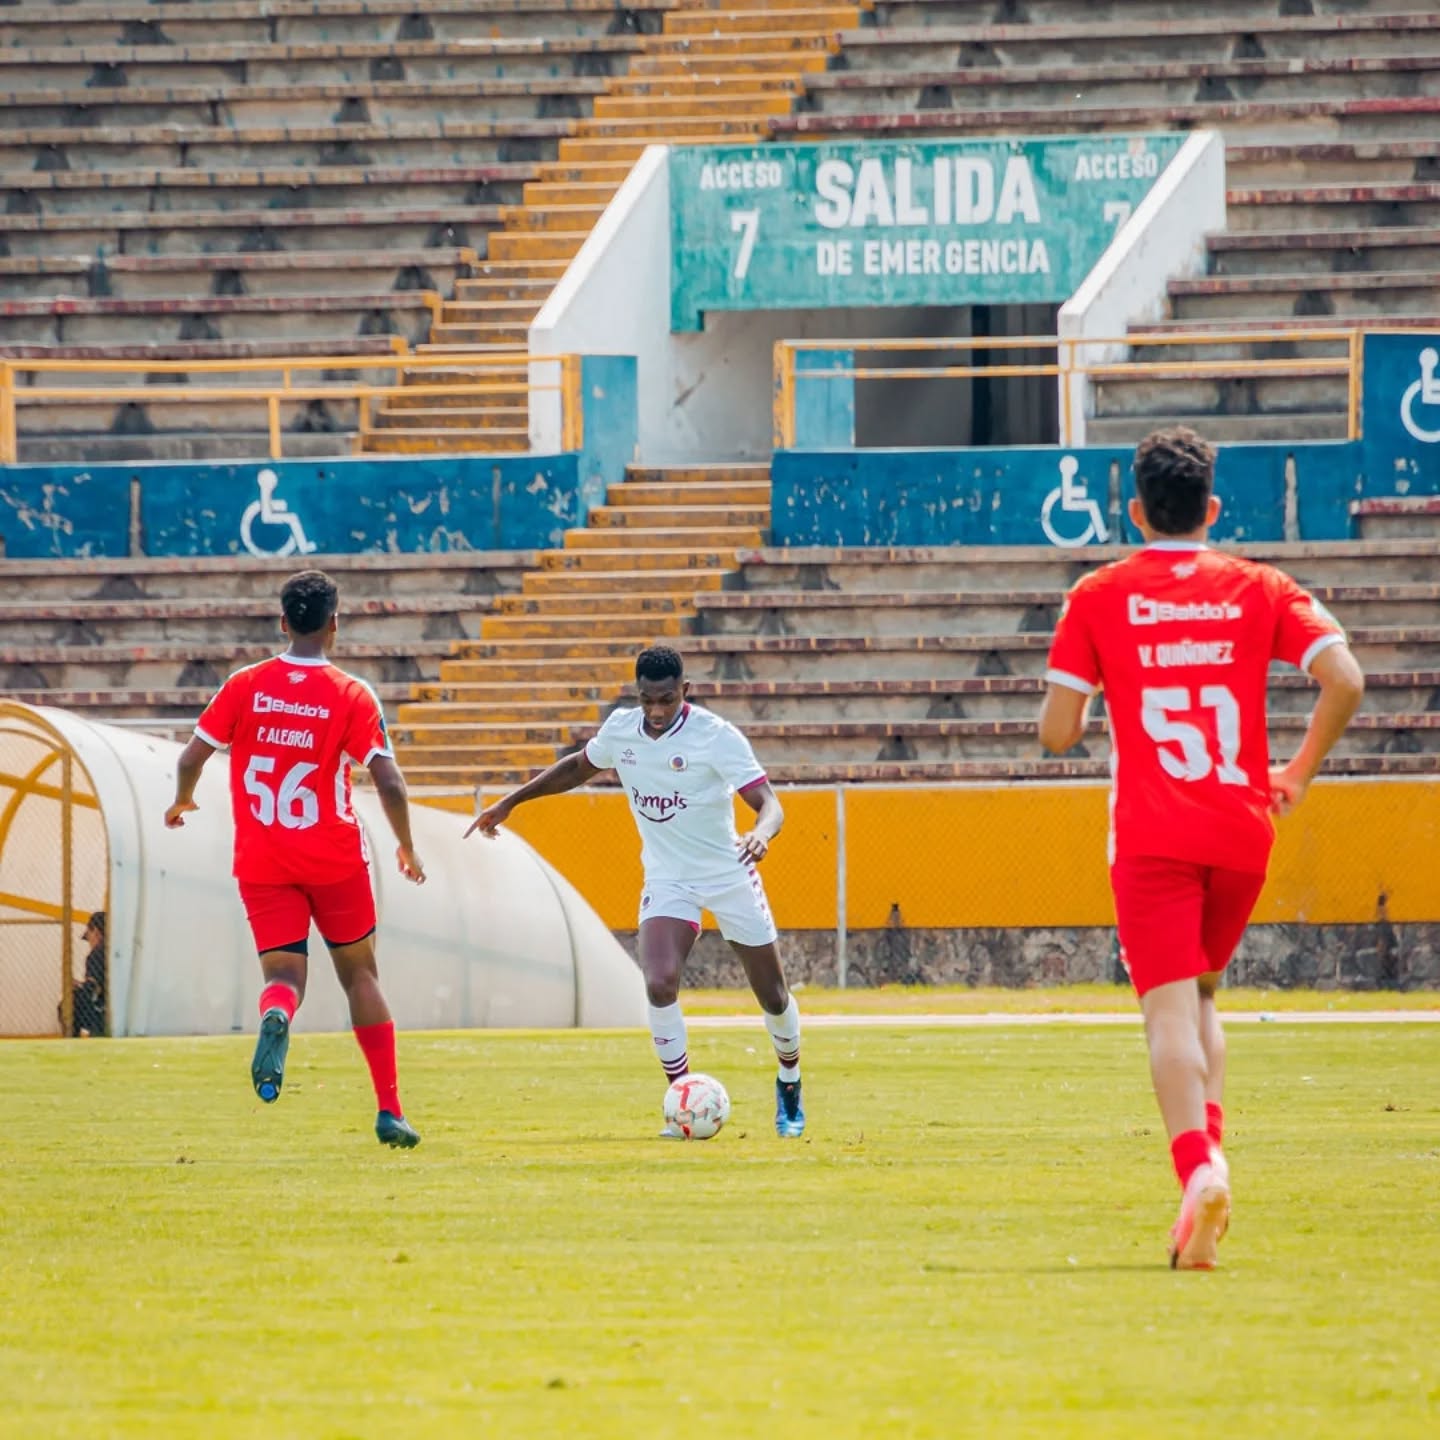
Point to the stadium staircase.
(553, 658)
(717, 72)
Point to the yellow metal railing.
(1071, 363)
(290, 381)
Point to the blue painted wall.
(1004, 497)
(407, 504)
(1401, 413)
(52, 512)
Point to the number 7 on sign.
(746, 224)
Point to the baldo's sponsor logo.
(269, 705)
(1145, 611)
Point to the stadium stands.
(246, 178)
(1331, 117)
(146, 641)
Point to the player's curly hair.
(309, 600)
(659, 662)
(1174, 477)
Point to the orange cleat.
(1204, 1218)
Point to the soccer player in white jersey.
(680, 765)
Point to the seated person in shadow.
(88, 996)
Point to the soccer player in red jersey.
(1180, 639)
(293, 725)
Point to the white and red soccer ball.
(697, 1106)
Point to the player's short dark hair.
(309, 600)
(659, 662)
(1174, 478)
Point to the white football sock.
(667, 1029)
(784, 1031)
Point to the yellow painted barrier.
(1029, 856)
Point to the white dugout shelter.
(496, 937)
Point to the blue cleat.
(395, 1131)
(789, 1109)
(267, 1069)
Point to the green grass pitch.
(968, 1243)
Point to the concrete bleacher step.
(713, 67)
(571, 194)
(692, 129)
(734, 102)
(963, 612)
(428, 142)
(551, 217)
(1390, 516)
(640, 606)
(134, 620)
(349, 22)
(704, 494)
(508, 418)
(796, 19)
(416, 440)
(1250, 122)
(610, 537)
(265, 274)
(589, 147)
(631, 558)
(221, 577)
(626, 627)
(1387, 160)
(537, 245)
(623, 516)
(635, 581)
(1413, 202)
(928, 568)
(1350, 295)
(1410, 248)
(523, 676)
(735, 80)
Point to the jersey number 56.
(295, 806)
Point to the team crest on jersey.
(627, 757)
(296, 677)
(1184, 570)
(678, 762)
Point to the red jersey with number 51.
(1180, 639)
(293, 727)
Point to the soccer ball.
(697, 1106)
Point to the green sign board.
(827, 226)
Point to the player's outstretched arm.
(1342, 688)
(187, 777)
(1062, 717)
(395, 801)
(575, 769)
(770, 816)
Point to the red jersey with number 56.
(1180, 639)
(293, 727)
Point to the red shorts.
(1178, 920)
(280, 915)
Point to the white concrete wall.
(495, 937)
(1163, 240)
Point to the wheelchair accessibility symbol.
(1073, 499)
(1427, 390)
(270, 511)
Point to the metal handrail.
(284, 389)
(1070, 361)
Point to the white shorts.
(741, 910)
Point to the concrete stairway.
(555, 655)
(719, 72)
(558, 654)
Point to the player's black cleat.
(395, 1131)
(267, 1069)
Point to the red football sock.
(377, 1044)
(279, 996)
(1189, 1150)
(1215, 1122)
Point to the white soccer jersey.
(679, 785)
